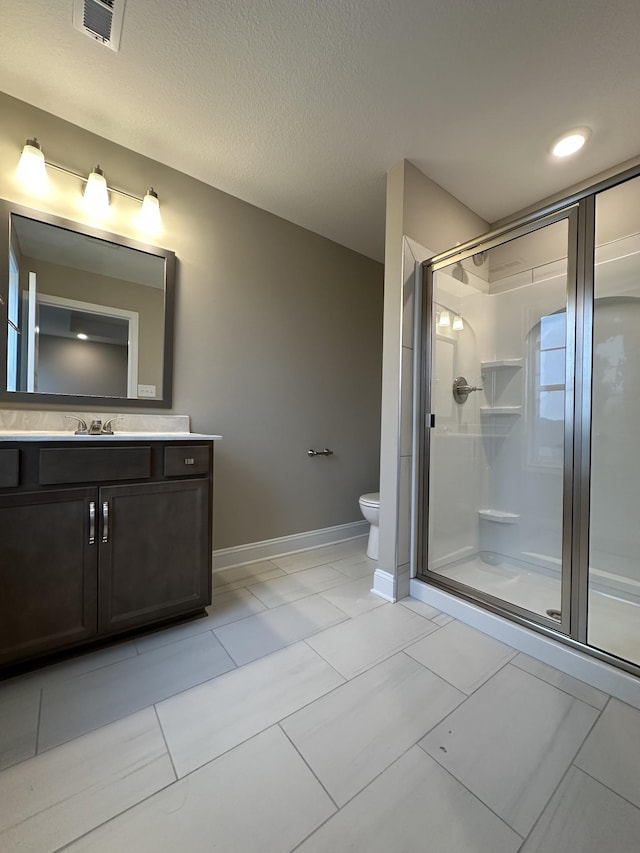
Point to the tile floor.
(304, 713)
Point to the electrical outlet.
(146, 390)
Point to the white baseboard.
(383, 585)
(618, 683)
(225, 558)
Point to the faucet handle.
(107, 429)
(82, 425)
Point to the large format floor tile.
(511, 742)
(463, 656)
(227, 607)
(349, 736)
(206, 721)
(292, 587)
(320, 556)
(239, 576)
(84, 703)
(19, 713)
(356, 566)
(267, 632)
(611, 753)
(420, 607)
(235, 604)
(414, 806)
(579, 689)
(354, 597)
(51, 799)
(362, 642)
(259, 797)
(585, 817)
(80, 664)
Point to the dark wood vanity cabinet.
(91, 560)
(48, 579)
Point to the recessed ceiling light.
(570, 142)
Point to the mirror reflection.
(86, 315)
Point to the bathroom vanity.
(100, 535)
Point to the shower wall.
(615, 461)
(511, 503)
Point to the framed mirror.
(86, 317)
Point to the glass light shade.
(96, 196)
(31, 170)
(149, 216)
(445, 319)
(457, 324)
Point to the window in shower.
(547, 391)
(614, 544)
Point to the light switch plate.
(146, 390)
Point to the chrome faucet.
(107, 429)
(95, 428)
(82, 425)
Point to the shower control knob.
(462, 389)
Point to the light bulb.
(457, 324)
(445, 319)
(570, 142)
(82, 336)
(148, 218)
(96, 196)
(31, 169)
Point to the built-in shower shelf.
(500, 410)
(498, 516)
(514, 363)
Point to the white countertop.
(66, 435)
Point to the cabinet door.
(155, 552)
(47, 572)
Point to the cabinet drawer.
(9, 468)
(186, 460)
(89, 464)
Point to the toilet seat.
(371, 499)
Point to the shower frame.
(579, 210)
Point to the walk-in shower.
(529, 500)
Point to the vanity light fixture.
(445, 318)
(457, 324)
(570, 143)
(31, 169)
(32, 172)
(149, 215)
(96, 195)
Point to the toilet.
(370, 508)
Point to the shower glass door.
(613, 623)
(500, 342)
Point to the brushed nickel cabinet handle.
(92, 522)
(189, 461)
(105, 521)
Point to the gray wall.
(278, 333)
(70, 366)
(147, 302)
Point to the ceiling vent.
(100, 20)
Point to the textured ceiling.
(301, 106)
